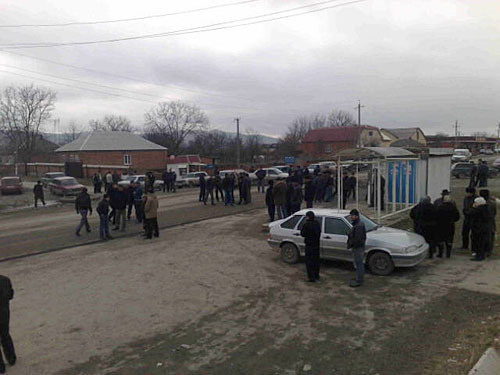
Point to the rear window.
(291, 222)
(10, 181)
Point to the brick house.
(117, 150)
(325, 142)
(395, 134)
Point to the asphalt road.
(51, 228)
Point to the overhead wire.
(198, 29)
(81, 23)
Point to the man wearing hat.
(439, 201)
(470, 195)
(356, 239)
(481, 228)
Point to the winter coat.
(269, 197)
(103, 208)
(311, 231)
(296, 195)
(260, 174)
(6, 291)
(38, 191)
(481, 220)
(119, 200)
(467, 206)
(279, 193)
(447, 215)
(83, 202)
(151, 207)
(310, 191)
(356, 238)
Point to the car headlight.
(411, 249)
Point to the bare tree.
(73, 132)
(23, 111)
(252, 147)
(340, 118)
(170, 123)
(112, 123)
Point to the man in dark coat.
(279, 195)
(218, 187)
(116, 177)
(473, 175)
(356, 240)
(351, 186)
(6, 295)
(481, 228)
(209, 190)
(130, 199)
(83, 207)
(120, 202)
(227, 185)
(296, 197)
(311, 231)
(271, 209)
(309, 192)
(103, 211)
(203, 187)
(482, 174)
(38, 193)
(439, 200)
(261, 174)
(470, 195)
(428, 222)
(165, 176)
(492, 207)
(447, 215)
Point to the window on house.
(328, 148)
(127, 159)
(370, 133)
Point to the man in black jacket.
(103, 211)
(83, 207)
(311, 231)
(120, 202)
(261, 174)
(6, 294)
(356, 240)
(203, 185)
(209, 191)
(470, 195)
(271, 209)
(492, 208)
(38, 193)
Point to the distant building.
(472, 143)
(323, 143)
(390, 136)
(115, 150)
(183, 164)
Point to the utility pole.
(237, 142)
(358, 107)
(456, 131)
(498, 136)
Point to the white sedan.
(386, 247)
(139, 179)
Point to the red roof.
(337, 134)
(184, 159)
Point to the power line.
(193, 30)
(132, 19)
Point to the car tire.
(380, 263)
(289, 253)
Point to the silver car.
(386, 247)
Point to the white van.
(461, 154)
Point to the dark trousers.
(166, 186)
(260, 186)
(41, 199)
(491, 244)
(209, 193)
(359, 263)
(271, 210)
(229, 197)
(5, 339)
(312, 262)
(219, 191)
(112, 215)
(129, 210)
(309, 204)
(103, 226)
(151, 226)
(138, 211)
(202, 194)
(172, 186)
(83, 221)
(480, 243)
(466, 233)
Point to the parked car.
(496, 163)
(49, 177)
(486, 151)
(65, 186)
(463, 170)
(139, 179)
(11, 185)
(274, 174)
(283, 168)
(461, 154)
(190, 179)
(386, 247)
(323, 165)
(252, 175)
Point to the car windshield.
(10, 181)
(461, 152)
(369, 224)
(69, 182)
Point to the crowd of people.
(436, 222)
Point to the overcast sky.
(411, 63)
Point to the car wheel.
(289, 253)
(380, 263)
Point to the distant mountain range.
(62, 139)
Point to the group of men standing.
(479, 174)
(224, 188)
(169, 178)
(436, 222)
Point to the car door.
(334, 239)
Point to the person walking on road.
(470, 195)
(447, 215)
(279, 195)
(120, 200)
(481, 228)
(203, 185)
(261, 175)
(103, 211)
(356, 240)
(38, 193)
(492, 207)
(83, 206)
(311, 231)
(271, 209)
(209, 191)
(151, 215)
(6, 295)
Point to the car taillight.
(269, 236)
